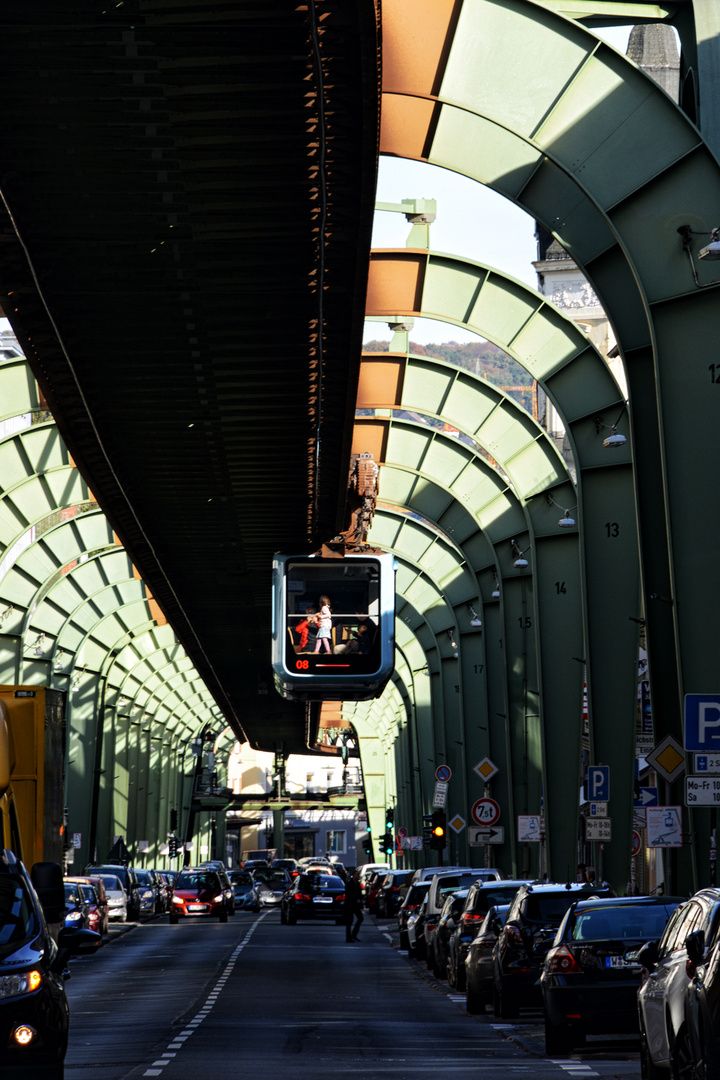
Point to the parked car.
(149, 892)
(416, 931)
(449, 916)
(96, 917)
(410, 906)
(479, 960)
(441, 885)
(535, 914)
(314, 896)
(480, 898)
(591, 975)
(424, 873)
(392, 892)
(127, 876)
(77, 908)
(678, 1002)
(115, 895)
(167, 884)
(199, 893)
(367, 870)
(98, 902)
(270, 885)
(372, 889)
(34, 1013)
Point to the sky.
(472, 221)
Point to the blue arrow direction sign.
(702, 722)
(648, 796)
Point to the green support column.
(279, 832)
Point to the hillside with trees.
(480, 357)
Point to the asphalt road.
(252, 998)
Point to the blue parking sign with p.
(598, 783)
(702, 722)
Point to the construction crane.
(523, 388)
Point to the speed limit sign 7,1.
(485, 812)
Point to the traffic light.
(367, 843)
(389, 819)
(173, 820)
(387, 845)
(172, 846)
(427, 829)
(437, 838)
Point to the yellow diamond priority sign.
(486, 769)
(667, 759)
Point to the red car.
(93, 891)
(372, 889)
(198, 893)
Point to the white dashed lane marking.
(192, 1026)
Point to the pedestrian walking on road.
(353, 905)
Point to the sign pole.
(713, 845)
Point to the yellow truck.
(32, 773)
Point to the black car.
(417, 945)
(446, 924)
(479, 960)
(409, 908)
(34, 1015)
(481, 896)
(392, 892)
(591, 974)
(314, 896)
(679, 1000)
(536, 912)
(148, 892)
(219, 868)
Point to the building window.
(336, 841)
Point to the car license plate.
(323, 899)
(197, 907)
(616, 962)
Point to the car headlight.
(146, 894)
(73, 916)
(177, 900)
(24, 983)
(219, 899)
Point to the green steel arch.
(436, 455)
(75, 616)
(536, 107)
(520, 732)
(576, 378)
